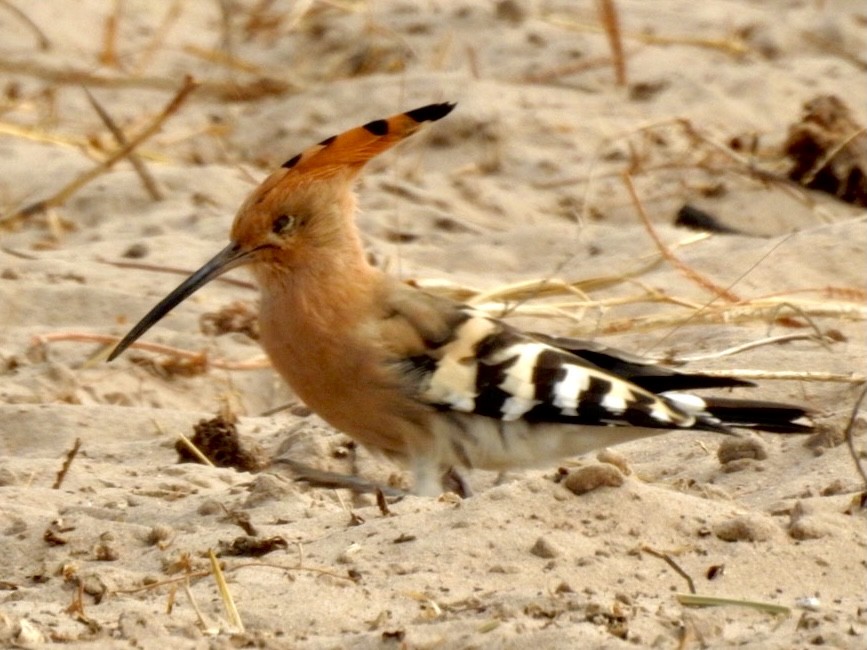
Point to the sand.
(524, 181)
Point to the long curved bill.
(228, 258)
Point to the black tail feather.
(774, 417)
(640, 371)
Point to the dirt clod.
(829, 150)
(218, 440)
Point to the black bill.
(228, 258)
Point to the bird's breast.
(342, 373)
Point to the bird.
(419, 377)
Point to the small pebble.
(136, 251)
(511, 11)
(347, 556)
(732, 449)
(810, 603)
(104, 552)
(745, 528)
(545, 549)
(614, 458)
(210, 507)
(741, 464)
(808, 522)
(834, 487)
(268, 487)
(586, 479)
(28, 634)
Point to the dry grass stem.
(230, 569)
(696, 600)
(223, 59)
(159, 36)
(195, 451)
(173, 270)
(36, 134)
(60, 197)
(836, 48)
(729, 314)
(223, 90)
(538, 298)
(850, 427)
(203, 623)
(784, 338)
(108, 54)
(610, 20)
(298, 12)
(750, 169)
(227, 41)
(226, 594)
(700, 158)
(256, 363)
(565, 70)
(147, 180)
(788, 375)
(688, 271)
(832, 153)
(733, 46)
(42, 39)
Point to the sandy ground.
(523, 181)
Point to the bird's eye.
(283, 224)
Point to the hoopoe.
(419, 376)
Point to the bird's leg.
(325, 479)
(427, 476)
(454, 481)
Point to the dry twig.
(107, 339)
(70, 456)
(44, 43)
(688, 271)
(65, 193)
(611, 23)
(850, 427)
(147, 180)
(227, 91)
(674, 565)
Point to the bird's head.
(300, 212)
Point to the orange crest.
(352, 149)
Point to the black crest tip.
(289, 164)
(431, 112)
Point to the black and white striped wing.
(490, 369)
